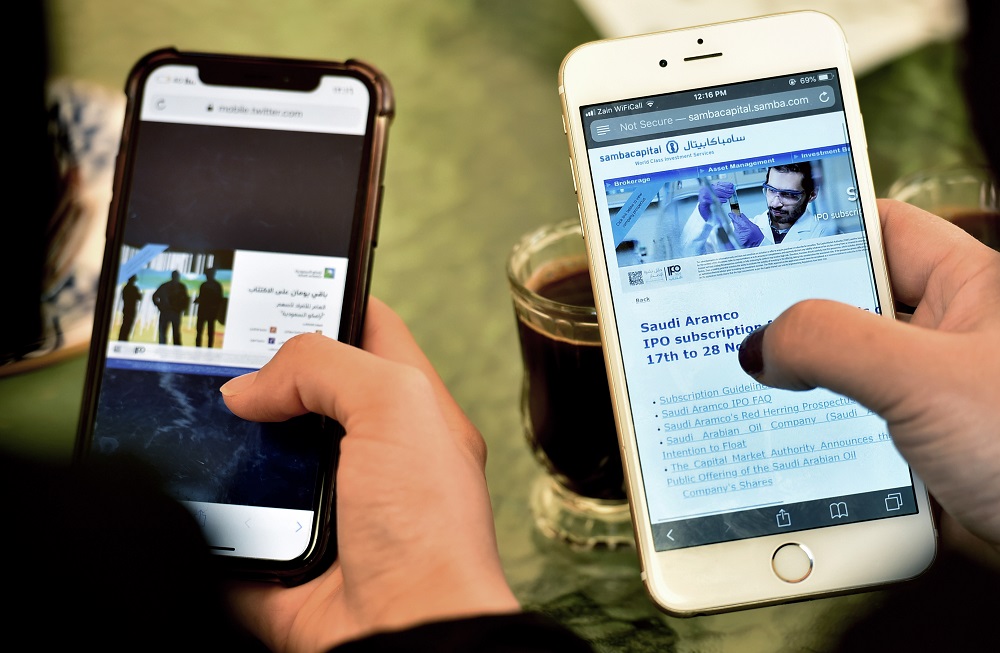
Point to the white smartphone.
(741, 495)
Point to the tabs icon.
(893, 501)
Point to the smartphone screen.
(243, 218)
(722, 457)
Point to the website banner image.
(219, 310)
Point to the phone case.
(284, 74)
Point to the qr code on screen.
(635, 278)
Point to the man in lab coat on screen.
(788, 191)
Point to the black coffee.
(567, 405)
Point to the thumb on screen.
(932, 387)
(881, 363)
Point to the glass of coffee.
(566, 410)
(965, 195)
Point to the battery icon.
(825, 76)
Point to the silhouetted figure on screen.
(172, 300)
(131, 296)
(209, 302)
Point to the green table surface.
(477, 157)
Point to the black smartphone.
(245, 211)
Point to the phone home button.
(792, 563)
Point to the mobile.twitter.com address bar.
(306, 117)
(656, 123)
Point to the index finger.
(315, 373)
(391, 379)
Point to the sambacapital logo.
(673, 147)
(632, 154)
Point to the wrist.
(445, 591)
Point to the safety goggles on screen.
(786, 196)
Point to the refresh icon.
(824, 97)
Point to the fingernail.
(238, 384)
(751, 353)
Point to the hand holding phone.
(415, 549)
(741, 495)
(898, 365)
(245, 210)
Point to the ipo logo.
(673, 147)
(674, 272)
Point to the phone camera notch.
(700, 41)
(663, 63)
